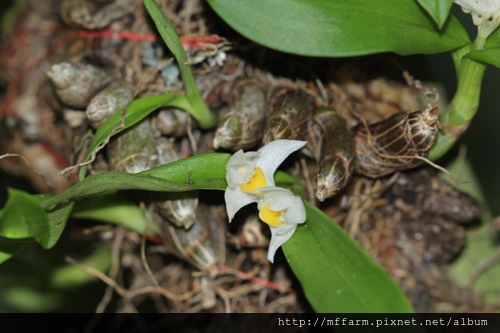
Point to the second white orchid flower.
(248, 172)
(282, 211)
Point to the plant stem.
(457, 55)
(464, 104)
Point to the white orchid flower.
(282, 211)
(248, 172)
(481, 10)
(485, 14)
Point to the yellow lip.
(258, 180)
(271, 217)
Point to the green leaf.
(136, 111)
(284, 179)
(489, 56)
(493, 41)
(199, 109)
(57, 221)
(340, 28)
(112, 208)
(173, 42)
(437, 9)
(22, 217)
(206, 171)
(336, 273)
(203, 171)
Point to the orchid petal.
(278, 198)
(481, 10)
(239, 160)
(273, 154)
(296, 213)
(244, 174)
(237, 199)
(278, 239)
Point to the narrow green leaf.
(340, 28)
(204, 171)
(112, 208)
(437, 9)
(115, 181)
(336, 273)
(174, 44)
(493, 41)
(490, 56)
(136, 111)
(167, 32)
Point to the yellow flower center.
(258, 180)
(271, 217)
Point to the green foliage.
(113, 208)
(22, 218)
(204, 171)
(197, 107)
(43, 218)
(135, 112)
(437, 9)
(493, 41)
(341, 28)
(57, 221)
(490, 54)
(283, 179)
(336, 273)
